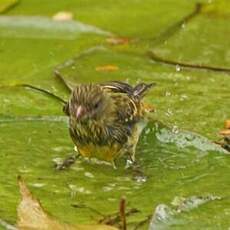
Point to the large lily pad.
(168, 167)
(217, 8)
(7, 4)
(124, 18)
(196, 42)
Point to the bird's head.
(87, 102)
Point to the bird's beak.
(80, 112)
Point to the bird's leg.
(113, 163)
(131, 151)
(137, 172)
(132, 156)
(135, 167)
(68, 161)
(132, 142)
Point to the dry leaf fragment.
(31, 215)
(148, 108)
(225, 132)
(107, 68)
(227, 124)
(117, 41)
(63, 16)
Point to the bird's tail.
(141, 89)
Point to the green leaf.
(219, 8)
(31, 215)
(178, 159)
(7, 4)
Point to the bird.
(106, 119)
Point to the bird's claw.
(137, 172)
(66, 163)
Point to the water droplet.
(169, 112)
(107, 188)
(178, 68)
(74, 189)
(38, 185)
(140, 179)
(88, 174)
(183, 97)
(58, 149)
(77, 168)
(122, 188)
(24, 170)
(175, 129)
(167, 94)
(112, 200)
(57, 160)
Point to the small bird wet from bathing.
(106, 120)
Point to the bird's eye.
(96, 105)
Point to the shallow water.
(171, 170)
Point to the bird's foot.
(132, 158)
(66, 163)
(137, 172)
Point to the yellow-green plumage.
(105, 120)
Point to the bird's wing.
(141, 89)
(136, 92)
(127, 99)
(118, 86)
(127, 108)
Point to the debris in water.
(31, 215)
(117, 41)
(88, 174)
(107, 68)
(225, 132)
(225, 139)
(227, 124)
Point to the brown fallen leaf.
(63, 16)
(148, 108)
(107, 68)
(31, 215)
(225, 132)
(118, 41)
(227, 124)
